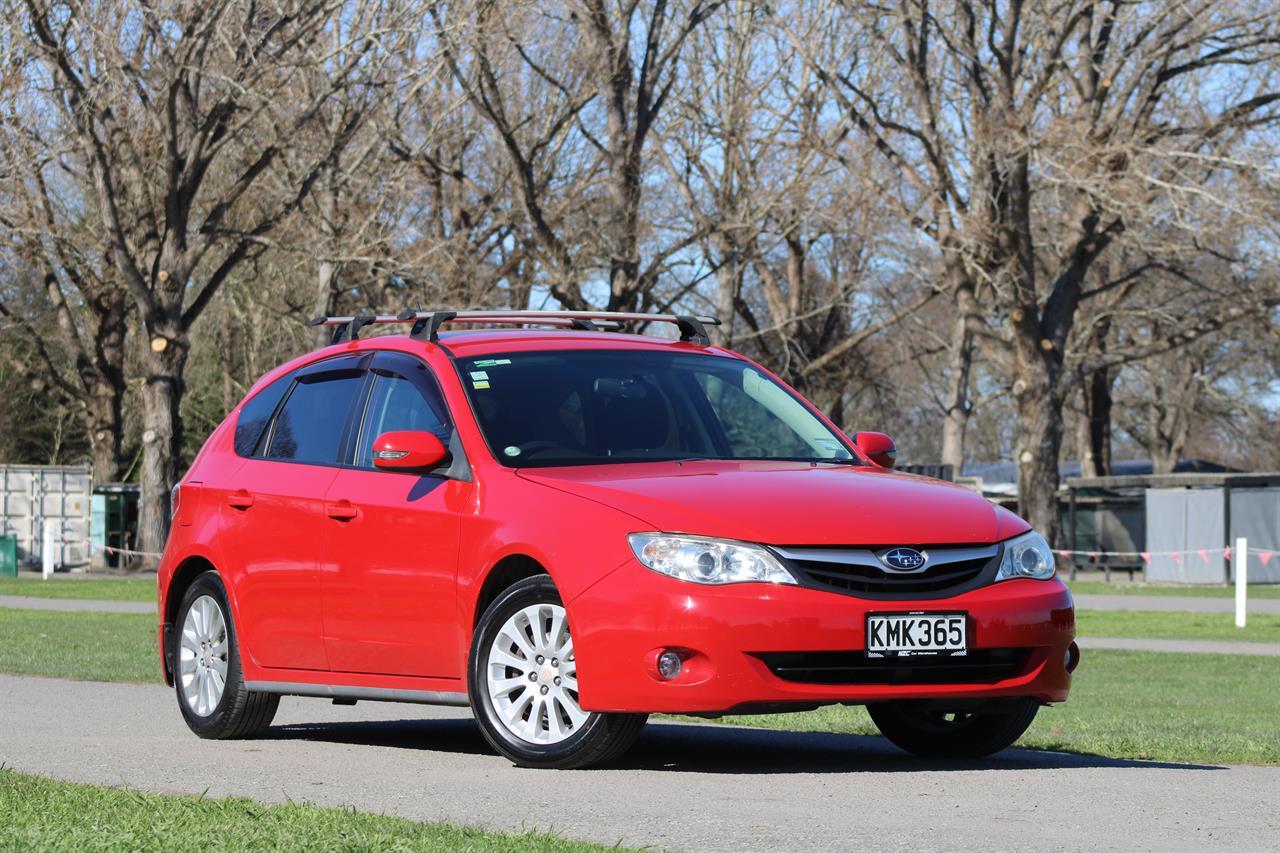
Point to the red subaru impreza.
(568, 529)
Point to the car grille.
(859, 571)
(979, 666)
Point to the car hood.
(788, 503)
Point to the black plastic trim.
(916, 586)
(978, 666)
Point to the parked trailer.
(33, 494)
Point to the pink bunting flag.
(1204, 554)
(1064, 554)
(1177, 557)
(1265, 556)
(1226, 554)
(1093, 555)
(1146, 556)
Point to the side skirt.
(376, 694)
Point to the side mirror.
(878, 447)
(408, 450)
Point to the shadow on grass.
(701, 748)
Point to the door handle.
(240, 499)
(342, 510)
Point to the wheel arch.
(183, 577)
(504, 574)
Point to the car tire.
(515, 662)
(206, 653)
(930, 732)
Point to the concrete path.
(1209, 647)
(1173, 602)
(76, 605)
(684, 787)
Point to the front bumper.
(622, 623)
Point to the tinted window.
(593, 406)
(399, 404)
(752, 430)
(256, 413)
(309, 428)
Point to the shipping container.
(32, 494)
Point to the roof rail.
(426, 324)
(348, 328)
(692, 328)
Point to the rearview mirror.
(878, 447)
(407, 450)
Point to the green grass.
(1124, 587)
(1146, 705)
(104, 589)
(43, 814)
(97, 646)
(1259, 627)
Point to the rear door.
(391, 541)
(273, 517)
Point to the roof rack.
(426, 324)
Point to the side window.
(399, 404)
(753, 432)
(309, 428)
(256, 413)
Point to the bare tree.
(178, 112)
(1029, 138)
(48, 232)
(468, 248)
(574, 94)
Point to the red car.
(568, 529)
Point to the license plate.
(909, 634)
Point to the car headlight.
(1027, 556)
(703, 560)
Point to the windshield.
(587, 407)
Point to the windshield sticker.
(479, 374)
(511, 451)
(492, 362)
(480, 384)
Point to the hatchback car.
(568, 528)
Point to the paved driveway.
(691, 787)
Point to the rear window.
(310, 426)
(256, 413)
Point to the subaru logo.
(903, 559)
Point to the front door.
(391, 541)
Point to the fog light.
(669, 665)
(1072, 658)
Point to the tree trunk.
(728, 284)
(326, 267)
(1084, 440)
(1167, 438)
(97, 347)
(955, 425)
(1097, 414)
(105, 415)
(1164, 457)
(1038, 400)
(104, 377)
(162, 435)
(1039, 444)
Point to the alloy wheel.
(202, 655)
(532, 677)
